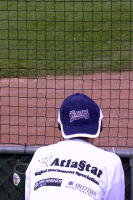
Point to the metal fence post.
(131, 168)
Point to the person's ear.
(101, 128)
(59, 127)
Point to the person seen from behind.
(75, 168)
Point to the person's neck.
(90, 140)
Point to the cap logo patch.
(76, 115)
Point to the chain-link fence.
(12, 180)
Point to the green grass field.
(40, 37)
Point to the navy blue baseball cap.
(80, 116)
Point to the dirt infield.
(29, 107)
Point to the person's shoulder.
(108, 155)
(111, 154)
(43, 149)
(113, 159)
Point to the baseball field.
(39, 38)
(50, 49)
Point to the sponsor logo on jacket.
(82, 165)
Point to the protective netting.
(50, 49)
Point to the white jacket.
(74, 169)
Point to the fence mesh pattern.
(51, 49)
(8, 190)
